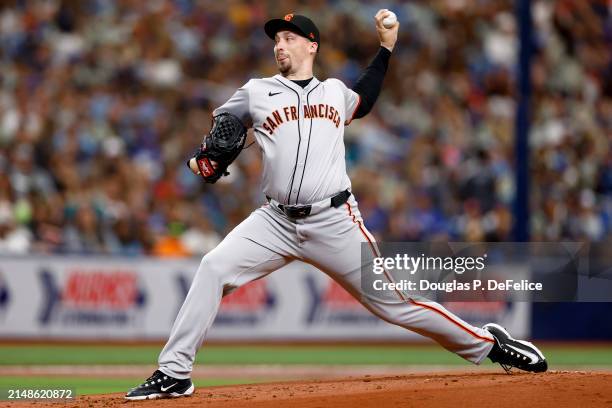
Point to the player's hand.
(194, 166)
(387, 36)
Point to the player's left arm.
(369, 84)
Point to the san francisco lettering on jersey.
(290, 113)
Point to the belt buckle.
(297, 211)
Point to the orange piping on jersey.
(449, 318)
(414, 302)
(354, 112)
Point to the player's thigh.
(254, 248)
(343, 247)
(350, 256)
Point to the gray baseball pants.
(329, 240)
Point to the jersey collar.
(295, 86)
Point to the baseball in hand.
(390, 20)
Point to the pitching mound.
(488, 389)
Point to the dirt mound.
(484, 389)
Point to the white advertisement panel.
(97, 298)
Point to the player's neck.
(299, 75)
(294, 77)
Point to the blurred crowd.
(102, 101)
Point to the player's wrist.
(385, 50)
(387, 46)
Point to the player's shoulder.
(255, 82)
(255, 85)
(334, 82)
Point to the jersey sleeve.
(238, 104)
(351, 102)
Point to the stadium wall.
(93, 298)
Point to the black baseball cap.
(297, 23)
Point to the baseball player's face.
(292, 51)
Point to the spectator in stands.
(102, 101)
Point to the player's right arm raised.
(369, 84)
(387, 36)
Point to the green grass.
(595, 356)
(233, 355)
(230, 355)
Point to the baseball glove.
(219, 149)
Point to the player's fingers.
(380, 16)
(379, 12)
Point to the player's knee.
(390, 311)
(213, 267)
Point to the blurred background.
(102, 101)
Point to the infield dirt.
(486, 389)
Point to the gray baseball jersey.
(301, 133)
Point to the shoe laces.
(516, 358)
(152, 379)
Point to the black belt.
(302, 211)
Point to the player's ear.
(314, 47)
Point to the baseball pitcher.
(311, 214)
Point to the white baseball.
(390, 20)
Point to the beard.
(284, 66)
(284, 69)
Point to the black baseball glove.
(220, 148)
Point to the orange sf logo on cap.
(288, 17)
(311, 35)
